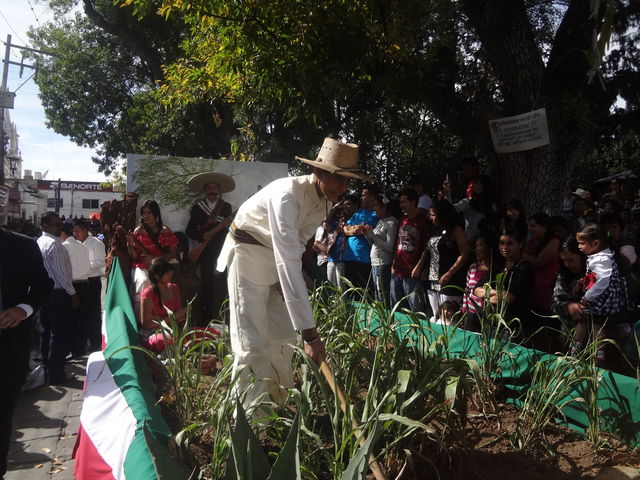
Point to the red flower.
(588, 281)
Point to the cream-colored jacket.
(282, 216)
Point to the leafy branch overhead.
(413, 82)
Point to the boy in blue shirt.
(357, 252)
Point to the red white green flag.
(122, 434)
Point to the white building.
(12, 156)
(76, 199)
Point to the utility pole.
(6, 98)
(5, 75)
(72, 191)
(56, 195)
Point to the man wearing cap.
(268, 298)
(208, 223)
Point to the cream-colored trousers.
(260, 327)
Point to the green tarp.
(618, 395)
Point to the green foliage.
(406, 385)
(553, 386)
(246, 459)
(358, 465)
(100, 87)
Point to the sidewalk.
(45, 426)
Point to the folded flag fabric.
(122, 434)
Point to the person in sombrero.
(268, 300)
(208, 223)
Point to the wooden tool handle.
(337, 391)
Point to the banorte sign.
(78, 186)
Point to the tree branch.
(147, 54)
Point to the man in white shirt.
(97, 255)
(80, 265)
(55, 315)
(268, 299)
(424, 200)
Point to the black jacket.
(23, 278)
(198, 218)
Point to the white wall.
(247, 175)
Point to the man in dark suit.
(24, 287)
(208, 223)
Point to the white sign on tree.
(520, 132)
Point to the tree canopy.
(100, 88)
(415, 83)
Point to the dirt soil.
(486, 453)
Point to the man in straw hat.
(208, 223)
(268, 298)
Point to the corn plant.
(391, 373)
(496, 331)
(248, 461)
(553, 385)
(203, 403)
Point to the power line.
(12, 29)
(30, 77)
(33, 11)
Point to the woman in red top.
(541, 252)
(150, 240)
(154, 298)
(155, 301)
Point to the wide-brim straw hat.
(197, 182)
(339, 158)
(581, 193)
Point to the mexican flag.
(122, 434)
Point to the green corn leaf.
(287, 466)
(360, 461)
(405, 421)
(247, 460)
(451, 391)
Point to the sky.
(42, 149)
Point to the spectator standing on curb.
(96, 271)
(383, 241)
(56, 313)
(424, 200)
(80, 266)
(357, 255)
(406, 269)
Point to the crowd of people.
(50, 286)
(451, 259)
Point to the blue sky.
(42, 149)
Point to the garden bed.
(436, 403)
(440, 415)
(484, 451)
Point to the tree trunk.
(539, 177)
